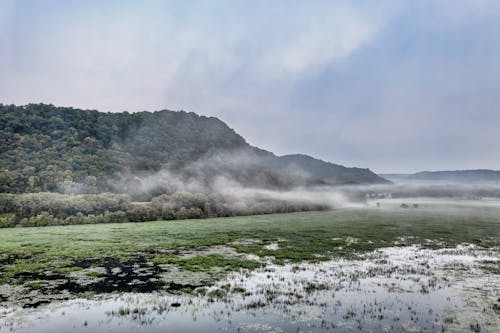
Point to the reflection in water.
(398, 289)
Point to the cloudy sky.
(396, 86)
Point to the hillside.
(329, 173)
(48, 148)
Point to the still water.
(394, 289)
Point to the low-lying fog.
(330, 196)
(247, 177)
(359, 196)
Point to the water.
(396, 289)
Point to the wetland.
(428, 266)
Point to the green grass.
(207, 263)
(301, 236)
(24, 266)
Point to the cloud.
(135, 57)
(358, 83)
(316, 40)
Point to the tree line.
(47, 209)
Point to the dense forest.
(47, 148)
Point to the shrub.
(7, 221)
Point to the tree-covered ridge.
(42, 146)
(48, 148)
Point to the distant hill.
(48, 148)
(467, 176)
(457, 176)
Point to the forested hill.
(48, 148)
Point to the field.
(200, 260)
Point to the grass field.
(109, 256)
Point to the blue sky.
(396, 86)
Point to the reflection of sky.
(402, 86)
(378, 293)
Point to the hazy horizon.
(397, 87)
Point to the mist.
(232, 178)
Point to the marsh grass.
(31, 253)
(208, 262)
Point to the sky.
(394, 86)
